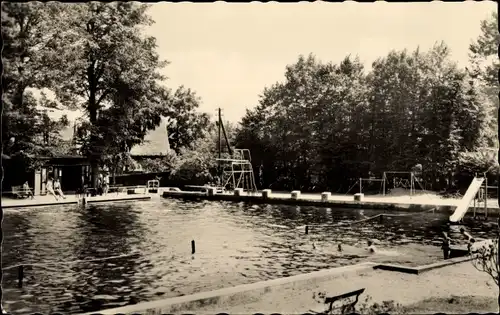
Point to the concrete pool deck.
(403, 203)
(40, 201)
(294, 295)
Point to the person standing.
(106, 183)
(100, 183)
(445, 246)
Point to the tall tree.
(484, 67)
(111, 71)
(186, 124)
(28, 31)
(327, 124)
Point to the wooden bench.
(21, 193)
(346, 308)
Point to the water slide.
(463, 206)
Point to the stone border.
(234, 295)
(424, 268)
(7, 206)
(196, 196)
(254, 291)
(124, 199)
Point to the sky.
(228, 53)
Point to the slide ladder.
(463, 206)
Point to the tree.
(197, 164)
(328, 124)
(306, 131)
(484, 48)
(111, 71)
(484, 65)
(27, 31)
(424, 110)
(160, 164)
(186, 124)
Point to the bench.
(346, 308)
(21, 193)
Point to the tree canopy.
(324, 125)
(329, 123)
(27, 30)
(96, 58)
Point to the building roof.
(155, 143)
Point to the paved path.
(456, 280)
(427, 199)
(421, 199)
(70, 199)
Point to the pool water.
(235, 244)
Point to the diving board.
(463, 206)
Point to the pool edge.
(258, 289)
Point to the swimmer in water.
(371, 248)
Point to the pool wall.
(382, 203)
(253, 292)
(70, 200)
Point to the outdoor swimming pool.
(235, 244)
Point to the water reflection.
(104, 232)
(235, 244)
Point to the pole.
(411, 184)
(485, 196)
(220, 139)
(360, 185)
(475, 197)
(20, 276)
(383, 184)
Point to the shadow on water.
(235, 244)
(101, 232)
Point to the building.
(155, 143)
(71, 169)
(67, 168)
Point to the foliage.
(160, 164)
(198, 162)
(486, 260)
(95, 58)
(366, 307)
(185, 125)
(484, 66)
(484, 48)
(479, 162)
(27, 30)
(327, 124)
(110, 70)
(385, 307)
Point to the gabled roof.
(155, 143)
